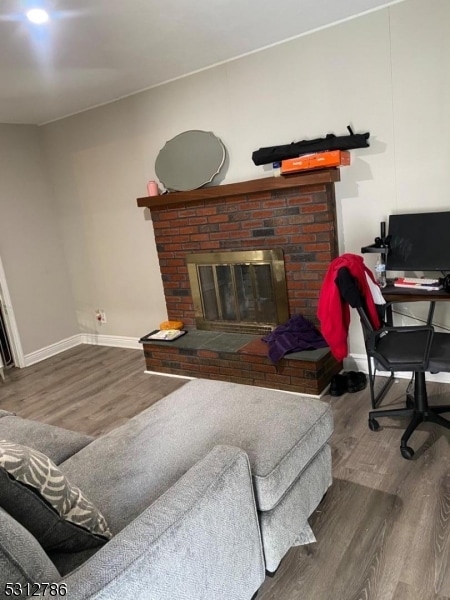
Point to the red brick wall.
(300, 220)
(301, 376)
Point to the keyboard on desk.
(421, 280)
(423, 283)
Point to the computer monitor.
(419, 242)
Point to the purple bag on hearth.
(295, 335)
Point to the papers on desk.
(403, 282)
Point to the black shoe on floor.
(355, 381)
(338, 385)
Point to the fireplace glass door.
(238, 291)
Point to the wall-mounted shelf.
(381, 245)
(375, 249)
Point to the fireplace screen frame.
(250, 258)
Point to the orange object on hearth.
(171, 325)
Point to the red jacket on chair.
(334, 313)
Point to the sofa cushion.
(22, 559)
(57, 443)
(280, 432)
(35, 492)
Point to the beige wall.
(31, 248)
(386, 73)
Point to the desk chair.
(418, 349)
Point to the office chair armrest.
(405, 348)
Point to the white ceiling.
(95, 51)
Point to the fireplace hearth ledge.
(215, 355)
(221, 341)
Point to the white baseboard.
(173, 375)
(361, 364)
(115, 341)
(48, 351)
(81, 338)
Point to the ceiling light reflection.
(37, 16)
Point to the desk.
(398, 294)
(394, 294)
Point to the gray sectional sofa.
(204, 492)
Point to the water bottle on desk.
(380, 272)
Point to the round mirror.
(190, 160)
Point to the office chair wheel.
(374, 425)
(407, 452)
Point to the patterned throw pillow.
(38, 495)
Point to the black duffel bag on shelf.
(272, 154)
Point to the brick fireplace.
(296, 214)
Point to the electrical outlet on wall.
(100, 315)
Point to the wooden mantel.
(322, 176)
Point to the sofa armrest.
(200, 540)
(55, 442)
(5, 413)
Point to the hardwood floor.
(383, 529)
(91, 389)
